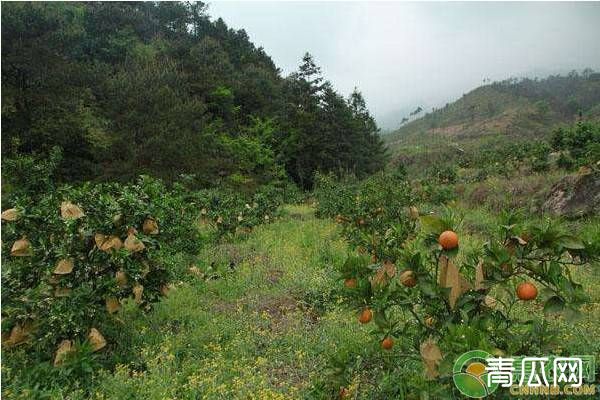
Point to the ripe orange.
(408, 278)
(387, 343)
(527, 291)
(448, 240)
(350, 283)
(365, 316)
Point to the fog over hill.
(403, 54)
(392, 120)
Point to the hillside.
(497, 114)
(513, 107)
(123, 89)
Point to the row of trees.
(567, 95)
(159, 88)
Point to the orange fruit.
(365, 316)
(408, 278)
(387, 343)
(350, 283)
(448, 240)
(527, 291)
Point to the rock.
(575, 195)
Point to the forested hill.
(519, 109)
(159, 88)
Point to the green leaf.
(571, 243)
(554, 305)
(546, 292)
(428, 289)
(452, 252)
(432, 223)
(554, 272)
(381, 321)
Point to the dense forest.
(134, 88)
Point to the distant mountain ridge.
(518, 108)
(393, 120)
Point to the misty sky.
(401, 55)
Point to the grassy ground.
(259, 332)
(268, 326)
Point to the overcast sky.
(401, 55)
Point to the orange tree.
(431, 301)
(228, 211)
(71, 255)
(374, 214)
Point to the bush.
(443, 173)
(581, 140)
(30, 175)
(229, 211)
(437, 193)
(446, 304)
(334, 197)
(565, 161)
(71, 256)
(374, 213)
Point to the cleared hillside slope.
(495, 114)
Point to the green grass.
(260, 331)
(270, 327)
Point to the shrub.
(449, 304)
(437, 193)
(443, 173)
(581, 140)
(374, 213)
(72, 255)
(228, 211)
(334, 197)
(565, 161)
(30, 175)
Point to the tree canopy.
(126, 88)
